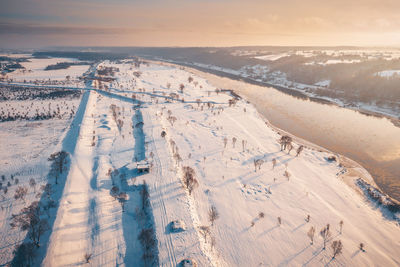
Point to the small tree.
(122, 198)
(190, 79)
(341, 226)
(308, 218)
(29, 219)
(311, 234)
(289, 147)
(299, 149)
(325, 234)
(213, 214)
(234, 141)
(87, 257)
(59, 160)
(144, 192)
(20, 193)
(172, 120)
(32, 183)
(181, 87)
(284, 141)
(279, 221)
(362, 247)
(337, 248)
(189, 179)
(204, 231)
(287, 175)
(244, 142)
(115, 191)
(225, 142)
(257, 164)
(273, 163)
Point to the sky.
(41, 23)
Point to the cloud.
(24, 29)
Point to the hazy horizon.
(44, 23)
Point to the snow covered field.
(25, 147)
(174, 119)
(34, 71)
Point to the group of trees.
(35, 112)
(14, 92)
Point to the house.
(143, 166)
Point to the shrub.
(213, 214)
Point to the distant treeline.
(65, 65)
(90, 56)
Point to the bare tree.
(244, 142)
(204, 231)
(311, 234)
(190, 79)
(362, 247)
(114, 191)
(279, 221)
(285, 141)
(144, 192)
(299, 149)
(213, 214)
(257, 164)
(122, 198)
(20, 193)
(273, 163)
(172, 120)
(189, 179)
(341, 226)
(337, 248)
(32, 183)
(87, 257)
(29, 219)
(181, 87)
(289, 147)
(59, 160)
(287, 175)
(308, 218)
(234, 142)
(225, 142)
(325, 234)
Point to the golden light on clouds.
(200, 23)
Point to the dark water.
(371, 141)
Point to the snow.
(334, 61)
(388, 73)
(228, 181)
(324, 83)
(35, 70)
(272, 57)
(90, 220)
(25, 147)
